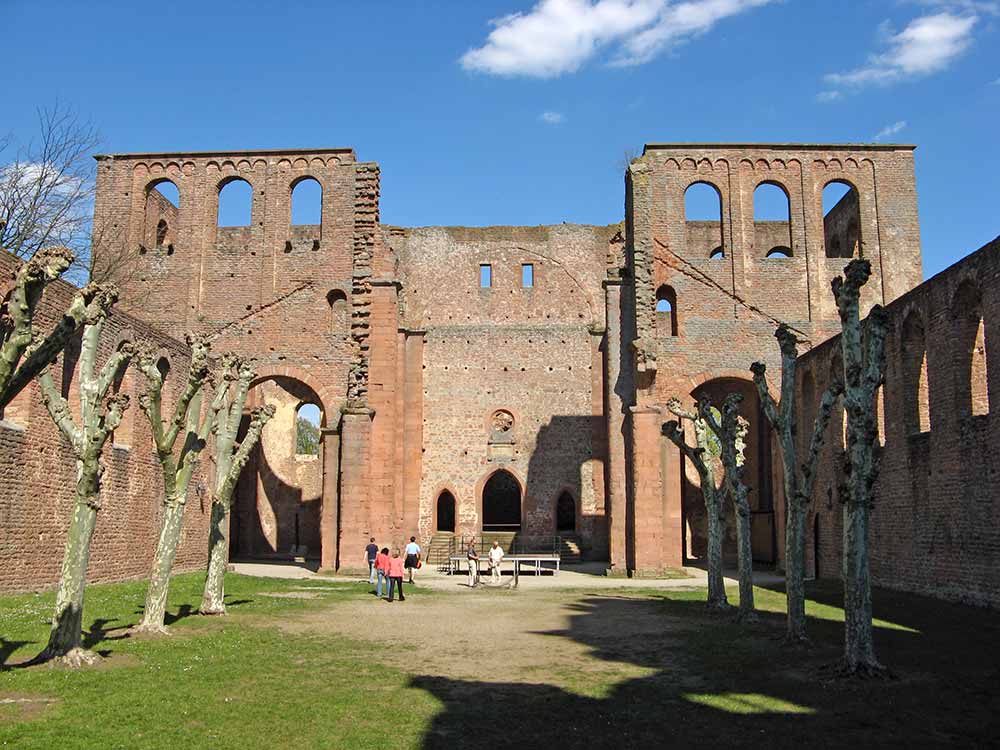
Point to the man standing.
(496, 557)
(473, 558)
(412, 557)
(371, 552)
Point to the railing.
(520, 544)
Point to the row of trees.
(179, 438)
(720, 438)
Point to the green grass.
(242, 682)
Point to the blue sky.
(478, 116)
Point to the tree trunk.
(213, 600)
(163, 561)
(795, 564)
(859, 648)
(65, 638)
(745, 551)
(716, 583)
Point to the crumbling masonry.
(515, 378)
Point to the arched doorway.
(566, 513)
(279, 496)
(757, 475)
(446, 512)
(502, 503)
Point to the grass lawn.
(526, 669)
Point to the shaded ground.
(525, 669)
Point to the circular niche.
(502, 421)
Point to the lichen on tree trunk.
(700, 457)
(798, 494)
(177, 466)
(99, 416)
(237, 374)
(732, 431)
(863, 351)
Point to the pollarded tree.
(731, 430)
(863, 350)
(704, 462)
(177, 465)
(230, 458)
(23, 352)
(798, 488)
(100, 414)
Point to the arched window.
(916, 415)
(307, 418)
(337, 302)
(565, 512)
(703, 220)
(162, 201)
(717, 253)
(446, 512)
(666, 311)
(772, 219)
(971, 394)
(123, 384)
(163, 365)
(235, 203)
(841, 220)
(307, 202)
(880, 415)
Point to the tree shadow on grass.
(9, 647)
(713, 683)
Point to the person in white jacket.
(496, 556)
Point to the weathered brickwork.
(38, 471)
(430, 383)
(724, 309)
(936, 518)
(530, 351)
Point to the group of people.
(383, 569)
(495, 557)
(390, 570)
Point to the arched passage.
(502, 503)
(758, 475)
(446, 512)
(279, 497)
(565, 512)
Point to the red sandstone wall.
(936, 520)
(726, 309)
(529, 351)
(38, 474)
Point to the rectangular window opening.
(527, 275)
(485, 276)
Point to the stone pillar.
(413, 430)
(329, 522)
(657, 518)
(355, 524)
(616, 491)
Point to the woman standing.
(396, 575)
(412, 556)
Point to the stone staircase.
(438, 549)
(569, 550)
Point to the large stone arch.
(481, 488)
(286, 502)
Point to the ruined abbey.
(514, 378)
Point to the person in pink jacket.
(382, 568)
(396, 575)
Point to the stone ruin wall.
(38, 469)
(726, 308)
(935, 526)
(533, 352)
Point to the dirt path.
(579, 641)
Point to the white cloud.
(552, 118)
(829, 96)
(558, 36)
(927, 45)
(890, 130)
